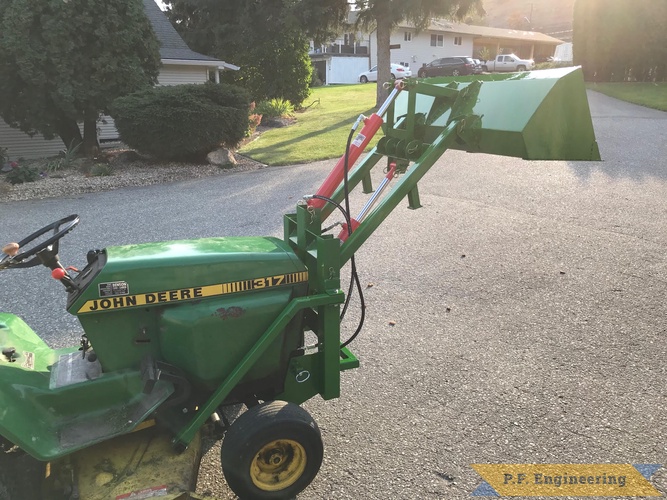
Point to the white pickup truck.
(508, 62)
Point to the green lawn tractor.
(177, 332)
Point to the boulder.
(221, 158)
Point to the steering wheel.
(28, 257)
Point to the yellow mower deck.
(136, 466)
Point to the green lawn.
(651, 95)
(320, 131)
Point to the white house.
(443, 38)
(351, 54)
(179, 65)
(344, 58)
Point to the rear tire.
(456, 72)
(272, 451)
(421, 74)
(21, 476)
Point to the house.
(441, 38)
(180, 65)
(353, 53)
(344, 58)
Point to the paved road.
(528, 301)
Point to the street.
(518, 317)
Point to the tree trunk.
(91, 146)
(69, 132)
(383, 52)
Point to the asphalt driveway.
(527, 302)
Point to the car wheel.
(521, 68)
(456, 72)
(363, 79)
(421, 74)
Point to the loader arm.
(420, 120)
(539, 115)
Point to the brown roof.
(442, 25)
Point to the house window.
(407, 36)
(437, 40)
(458, 40)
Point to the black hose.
(354, 277)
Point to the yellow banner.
(168, 296)
(560, 480)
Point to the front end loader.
(178, 332)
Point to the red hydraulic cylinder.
(369, 204)
(371, 125)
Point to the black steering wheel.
(28, 257)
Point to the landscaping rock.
(221, 158)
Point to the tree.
(64, 61)
(624, 40)
(268, 39)
(384, 15)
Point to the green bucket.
(536, 115)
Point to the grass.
(651, 95)
(320, 131)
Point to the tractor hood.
(155, 274)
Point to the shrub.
(20, 174)
(182, 122)
(101, 170)
(553, 64)
(3, 156)
(275, 108)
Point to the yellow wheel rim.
(278, 465)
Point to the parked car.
(478, 69)
(398, 71)
(447, 66)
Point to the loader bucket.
(536, 115)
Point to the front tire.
(456, 72)
(272, 451)
(363, 79)
(521, 68)
(422, 74)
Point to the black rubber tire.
(422, 74)
(456, 72)
(521, 68)
(272, 423)
(363, 79)
(21, 476)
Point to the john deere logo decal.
(168, 296)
